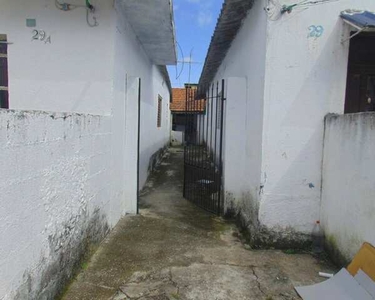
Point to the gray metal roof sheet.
(228, 25)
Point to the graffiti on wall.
(315, 31)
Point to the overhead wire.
(305, 3)
(88, 21)
(315, 2)
(67, 6)
(88, 6)
(183, 62)
(274, 9)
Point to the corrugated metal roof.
(228, 25)
(362, 19)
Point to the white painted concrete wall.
(237, 180)
(305, 80)
(74, 73)
(131, 63)
(77, 72)
(177, 138)
(292, 82)
(153, 138)
(211, 135)
(201, 126)
(70, 177)
(348, 206)
(56, 181)
(244, 71)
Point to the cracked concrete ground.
(174, 250)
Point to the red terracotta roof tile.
(179, 102)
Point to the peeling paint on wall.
(56, 198)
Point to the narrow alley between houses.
(174, 250)
(187, 149)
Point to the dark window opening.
(4, 101)
(160, 100)
(178, 122)
(360, 88)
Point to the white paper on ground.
(342, 286)
(366, 282)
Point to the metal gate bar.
(204, 127)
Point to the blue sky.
(195, 21)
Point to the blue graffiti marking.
(315, 31)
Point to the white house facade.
(74, 79)
(285, 69)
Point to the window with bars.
(160, 102)
(4, 101)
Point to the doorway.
(360, 89)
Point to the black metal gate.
(203, 155)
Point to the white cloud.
(204, 18)
(188, 59)
(204, 15)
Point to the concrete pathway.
(174, 250)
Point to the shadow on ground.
(174, 250)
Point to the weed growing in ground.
(84, 265)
